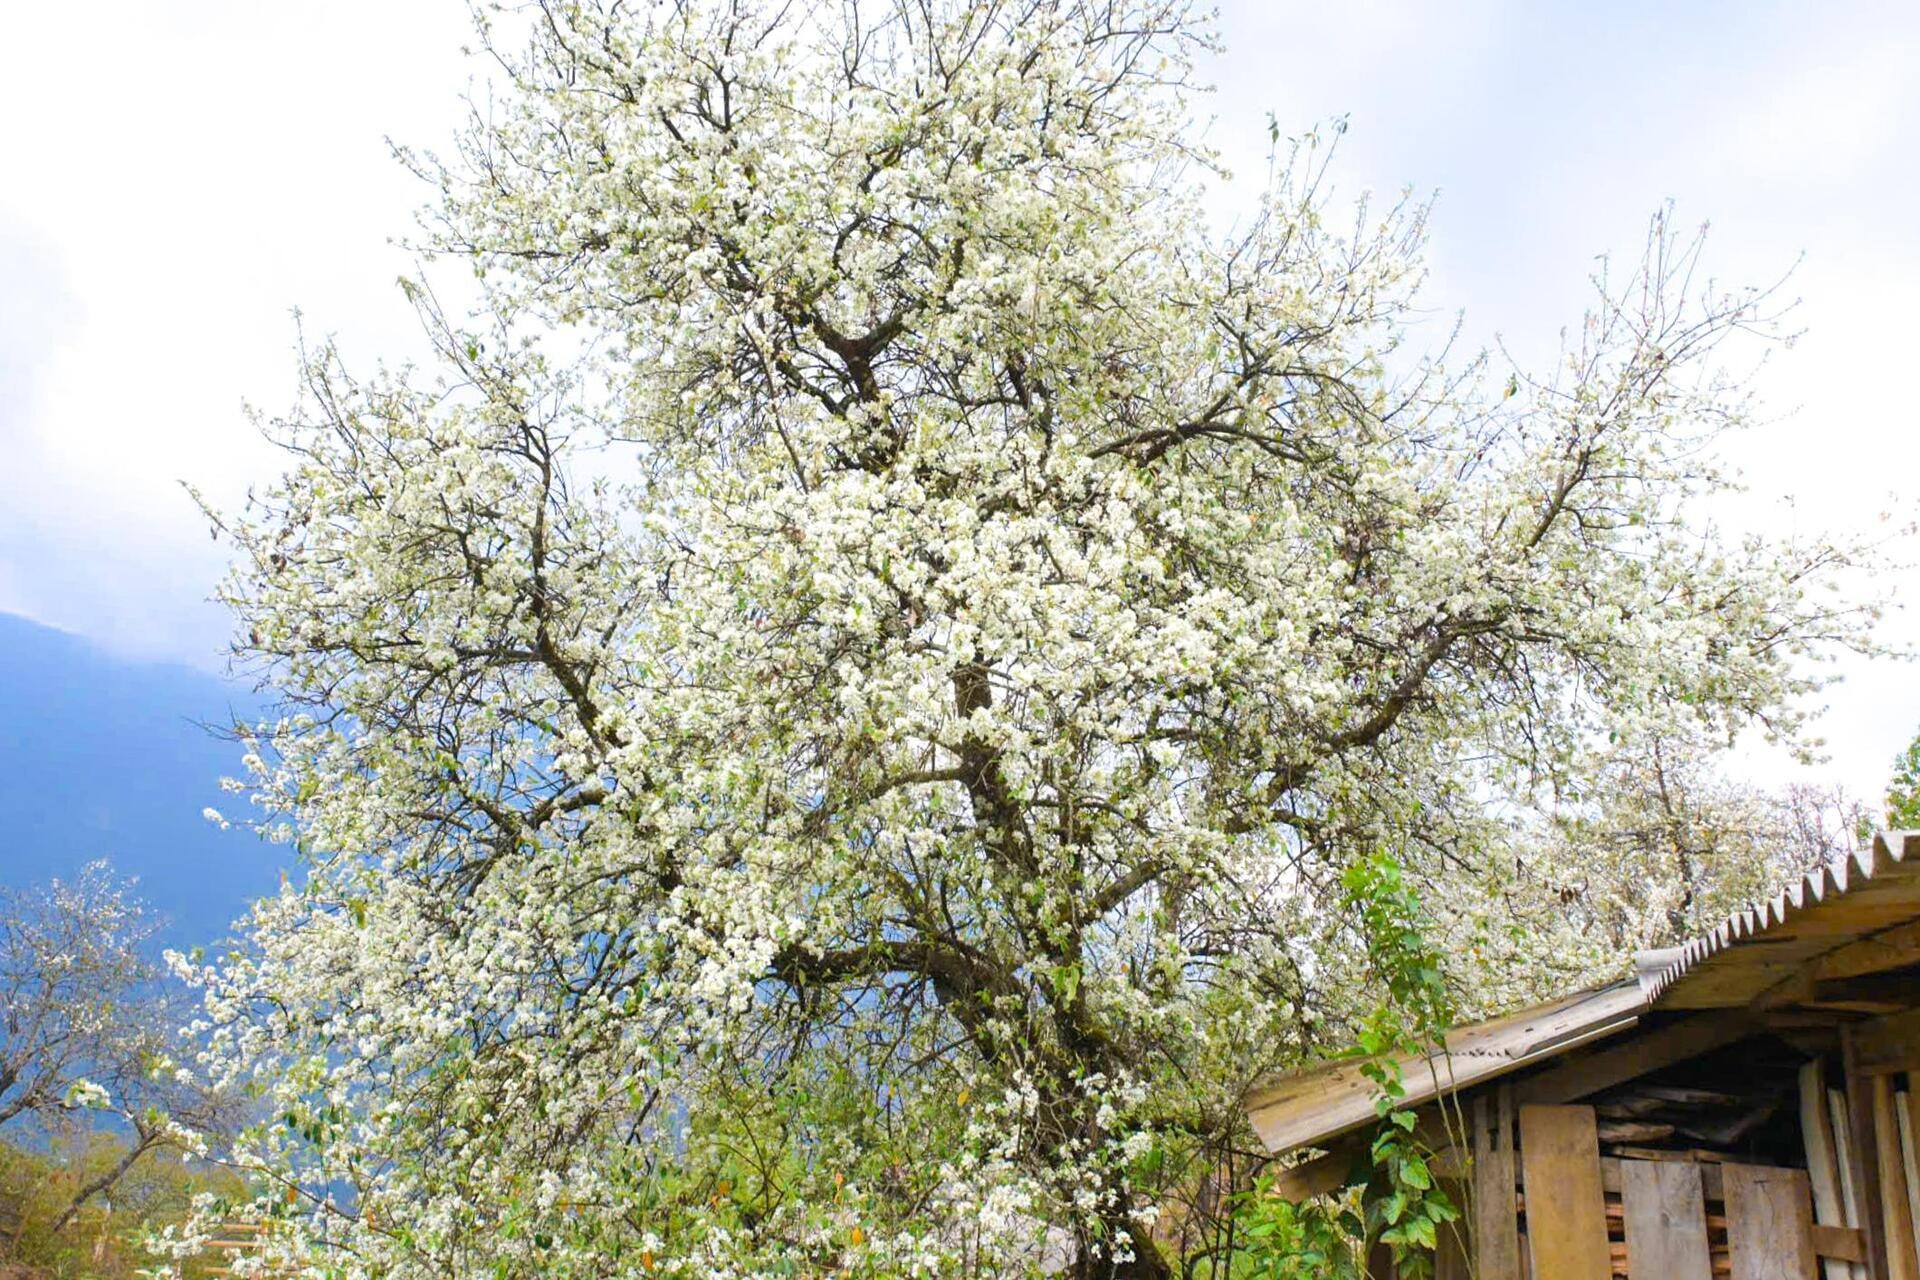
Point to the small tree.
(72, 968)
(87, 1027)
(851, 759)
(1903, 790)
(1659, 847)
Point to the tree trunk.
(101, 1183)
(1147, 1262)
(1096, 1263)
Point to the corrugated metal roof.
(1832, 911)
(1890, 862)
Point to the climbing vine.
(1398, 1203)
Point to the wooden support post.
(1909, 1153)
(1843, 1156)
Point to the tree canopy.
(833, 727)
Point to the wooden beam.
(1888, 949)
(1886, 1042)
(1335, 1169)
(1310, 1107)
(1643, 1052)
(1318, 1176)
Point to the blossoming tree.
(826, 730)
(87, 1026)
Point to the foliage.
(1285, 1241)
(105, 1241)
(1401, 1205)
(87, 1030)
(829, 731)
(1657, 847)
(71, 973)
(1903, 790)
(1408, 1208)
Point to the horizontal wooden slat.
(1849, 1244)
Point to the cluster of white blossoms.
(85, 1095)
(822, 733)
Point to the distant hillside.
(101, 757)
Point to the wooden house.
(1744, 1106)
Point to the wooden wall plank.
(1895, 1215)
(1496, 1230)
(1769, 1223)
(1567, 1214)
(1666, 1219)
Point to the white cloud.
(190, 175)
(1832, 119)
(180, 177)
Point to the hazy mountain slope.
(101, 757)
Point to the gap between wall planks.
(1769, 1223)
(1560, 1162)
(1450, 1258)
(1895, 1213)
(1665, 1212)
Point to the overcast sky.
(179, 177)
